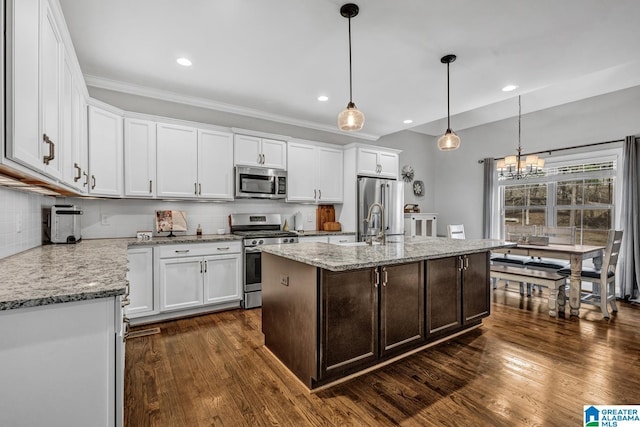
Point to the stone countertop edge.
(324, 233)
(89, 269)
(343, 258)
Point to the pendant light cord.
(448, 109)
(350, 78)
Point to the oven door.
(252, 269)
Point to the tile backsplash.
(20, 220)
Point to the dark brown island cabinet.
(327, 325)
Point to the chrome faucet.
(381, 236)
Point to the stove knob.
(254, 242)
(285, 241)
(261, 242)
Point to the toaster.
(61, 224)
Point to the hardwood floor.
(521, 368)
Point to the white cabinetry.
(377, 162)
(194, 163)
(199, 274)
(36, 60)
(139, 157)
(105, 152)
(420, 224)
(140, 276)
(262, 152)
(61, 366)
(336, 239)
(333, 238)
(315, 173)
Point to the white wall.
(23, 207)
(459, 176)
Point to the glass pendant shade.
(350, 119)
(449, 141)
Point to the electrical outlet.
(105, 220)
(18, 223)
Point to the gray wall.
(458, 176)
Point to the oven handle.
(252, 250)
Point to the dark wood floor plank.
(520, 368)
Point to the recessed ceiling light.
(184, 62)
(408, 121)
(509, 88)
(323, 98)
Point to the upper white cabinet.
(261, 152)
(315, 173)
(139, 158)
(105, 152)
(35, 94)
(377, 162)
(194, 163)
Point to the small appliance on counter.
(61, 224)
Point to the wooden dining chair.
(603, 281)
(455, 231)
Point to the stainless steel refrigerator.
(388, 193)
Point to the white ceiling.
(272, 59)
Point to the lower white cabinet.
(335, 239)
(140, 276)
(420, 224)
(62, 364)
(199, 274)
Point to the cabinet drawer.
(198, 249)
(342, 238)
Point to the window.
(577, 192)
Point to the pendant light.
(449, 141)
(350, 118)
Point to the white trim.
(133, 89)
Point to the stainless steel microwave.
(260, 183)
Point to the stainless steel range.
(257, 230)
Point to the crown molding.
(132, 89)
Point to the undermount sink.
(356, 244)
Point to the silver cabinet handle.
(259, 158)
(466, 262)
(150, 186)
(199, 189)
(375, 283)
(52, 149)
(226, 248)
(93, 182)
(315, 196)
(200, 267)
(86, 179)
(195, 188)
(319, 194)
(77, 177)
(125, 302)
(183, 251)
(384, 276)
(205, 266)
(263, 159)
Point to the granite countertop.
(53, 274)
(89, 269)
(205, 238)
(341, 258)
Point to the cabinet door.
(301, 177)
(274, 154)
(329, 181)
(140, 276)
(476, 297)
(215, 165)
(367, 162)
(177, 161)
(180, 283)
(246, 150)
(342, 238)
(443, 295)
(401, 307)
(222, 281)
(68, 135)
(349, 321)
(24, 141)
(139, 157)
(388, 165)
(51, 51)
(105, 152)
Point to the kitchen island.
(334, 311)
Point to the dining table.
(576, 254)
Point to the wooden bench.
(554, 281)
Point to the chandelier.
(517, 167)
